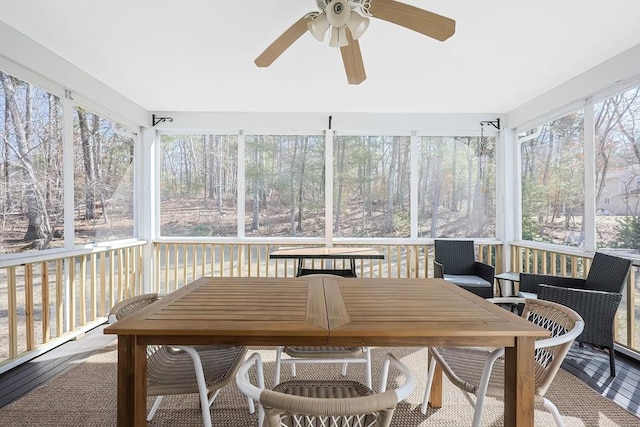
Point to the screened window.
(371, 186)
(103, 179)
(31, 199)
(617, 150)
(553, 182)
(285, 185)
(198, 185)
(456, 186)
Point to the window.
(617, 131)
(31, 199)
(103, 179)
(553, 182)
(198, 185)
(371, 186)
(285, 185)
(456, 187)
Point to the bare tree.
(38, 228)
(89, 163)
(303, 164)
(339, 172)
(388, 227)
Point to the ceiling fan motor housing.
(338, 13)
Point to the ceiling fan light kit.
(348, 20)
(318, 26)
(358, 24)
(338, 15)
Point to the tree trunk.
(388, 214)
(205, 169)
(303, 159)
(255, 223)
(89, 167)
(339, 172)
(7, 194)
(292, 192)
(454, 173)
(38, 220)
(436, 184)
(368, 205)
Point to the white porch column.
(508, 207)
(146, 194)
(68, 198)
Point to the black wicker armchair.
(595, 298)
(455, 261)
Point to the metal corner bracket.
(155, 120)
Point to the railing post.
(631, 308)
(12, 310)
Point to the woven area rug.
(86, 396)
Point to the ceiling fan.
(348, 20)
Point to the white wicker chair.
(344, 355)
(480, 371)
(324, 403)
(184, 369)
(311, 354)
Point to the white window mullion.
(589, 216)
(241, 183)
(328, 187)
(413, 191)
(508, 203)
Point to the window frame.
(71, 100)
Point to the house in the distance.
(621, 192)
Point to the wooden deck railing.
(536, 258)
(180, 262)
(49, 298)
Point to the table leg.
(519, 384)
(435, 396)
(353, 267)
(300, 264)
(132, 382)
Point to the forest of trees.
(32, 168)
(457, 187)
(285, 186)
(285, 175)
(553, 187)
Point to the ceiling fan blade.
(283, 42)
(352, 59)
(427, 23)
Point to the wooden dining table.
(326, 311)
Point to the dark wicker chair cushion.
(467, 280)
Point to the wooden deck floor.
(588, 364)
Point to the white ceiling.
(197, 55)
